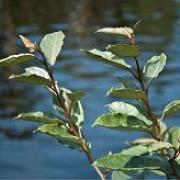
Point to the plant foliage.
(157, 153)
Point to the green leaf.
(61, 133)
(128, 162)
(120, 175)
(173, 137)
(128, 109)
(16, 59)
(33, 75)
(51, 45)
(127, 93)
(156, 146)
(124, 31)
(135, 150)
(109, 58)
(143, 141)
(39, 117)
(120, 121)
(75, 96)
(128, 83)
(154, 66)
(124, 50)
(171, 109)
(147, 148)
(73, 105)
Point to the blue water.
(23, 155)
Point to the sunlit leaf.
(171, 109)
(154, 66)
(51, 46)
(39, 117)
(120, 121)
(129, 162)
(127, 93)
(135, 150)
(124, 31)
(16, 59)
(143, 141)
(109, 58)
(128, 109)
(33, 75)
(61, 133)
(156, 146)
(124, 50)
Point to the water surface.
(24, 155)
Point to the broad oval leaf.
(127, 93)
(128, 109)
(61, 133)
(109, 58)
(34, 75)
(124, 50)
(154, 66)
(129, 162)
(124, 31)
(120, 121)
(72, 103)
(39, 117)
(171, 109)
(51, 45)
(16, 59)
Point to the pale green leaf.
(124, 31)
(129, 162)
(171, 109)
(143, 141)
(39, 117)
(120, 175)
(135, 150)
(154, 66)
(61, 133)
(33, 75)
(16, 59)
(120, 121)
(128, 109)
(156, 146)
(51, 46)
(127, 93)
(124, 50)
(109, 58)
(173, 137)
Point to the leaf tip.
(109, 91)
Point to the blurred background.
(23, 155)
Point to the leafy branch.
(124, 116)
(68, 129)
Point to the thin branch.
(72, 127)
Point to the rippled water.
(23, 155)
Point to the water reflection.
(78, 19)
